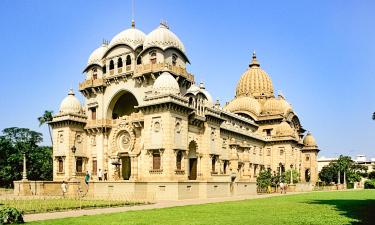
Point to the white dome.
(70, 104)
(309, 140)
(166, 84)
(244, 104)
(284, 129)
(97, 55)
(163, 38)
(194, 90)
(276, 106)
(131, 37)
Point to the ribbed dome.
(276, 106)
(309, 140)
(166, 84)
(163, 38)
(131, 37)
(97, 55)
(195, 90)
(284, 129)
(70, 104)
(244, 104)
(255, 82)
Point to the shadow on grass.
(361, 210)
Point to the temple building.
(146, 120)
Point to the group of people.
(102, 176)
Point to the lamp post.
(24, 173)
(291, 174)
(74, 161)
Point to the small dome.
(163, 38)
(284, 129)
(131, 37)
(166, 84)
(276, 106)
(309, 140)
(244, 104)
(193, 89)
(254, 82)
(70, 104)
(97, 55)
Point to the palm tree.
(44, 119)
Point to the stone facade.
(145, 120)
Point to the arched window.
(104, 69)
(94, 74)
(153, 57)
(111, 65)
(119, 63)
(139, 60)
(174, 59)
(61, 165)
(178, 160)
(128, 60)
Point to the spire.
(254, 61)
(133, 23)
(71, 92)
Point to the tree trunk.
(338, 178)
(344, 179)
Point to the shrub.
(370, 184)
(371, 175)
(9, 215)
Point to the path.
(158, 205)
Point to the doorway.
(126, 167)
(193, 168)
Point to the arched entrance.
(307, 175)
(193, 161)
(123, 104)
(126, 167)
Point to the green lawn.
(345, 207)
(39, 205)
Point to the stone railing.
(91, 83)
(100, 123)
(158, 67)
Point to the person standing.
(87, 178)
(105, 175)
(64, 188)
(100, 175)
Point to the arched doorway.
(123, 104)
(193, 161)
(307, 175)
(126, 167)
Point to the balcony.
(159, 67)
(92, 83)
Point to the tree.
(264, 179)
(44, 119)
(294, 174)
(13, 144)
(371, 175)
(328, 174)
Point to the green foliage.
(345, 166)
(13, 143)
(294, 174)
(370, 184)
(264, 179)
(9, 215)
(44, 119)
(371, 175)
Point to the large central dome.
(255, 82)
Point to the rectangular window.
(156, 161)
(61, 165)
(268, 131)
(268, 152)
(213, 163)
(178, 160)
(93, 113)
(79, 164)
(94, 167)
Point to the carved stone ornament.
(123, 138)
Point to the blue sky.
(320, 54)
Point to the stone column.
(24, 172)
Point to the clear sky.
(320, 54)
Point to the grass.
(39, 205)
(342, 207)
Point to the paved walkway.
(158, 205)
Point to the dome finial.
(254, 61)
(133, 23)
(71, 92)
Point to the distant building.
(359, 159)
